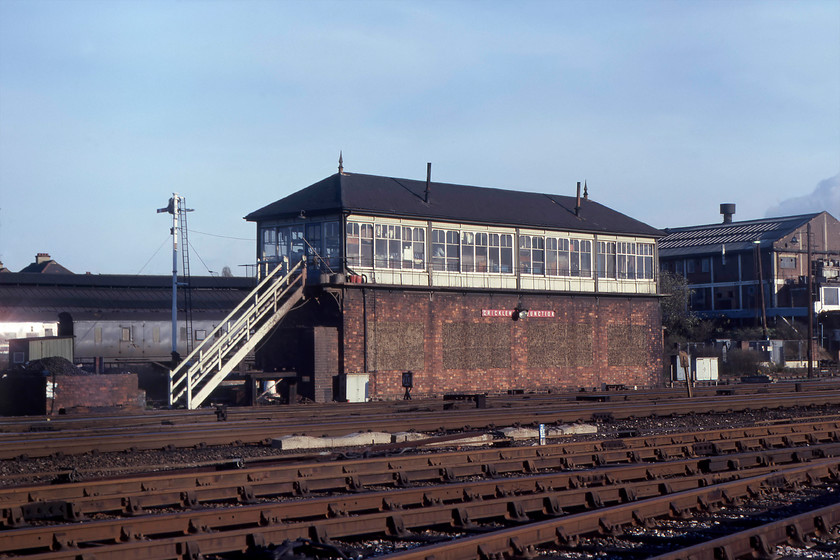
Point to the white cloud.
(825, 197)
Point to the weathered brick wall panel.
(95, 391)
(462, 351)
(325, 368)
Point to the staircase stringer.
(232, 361)
(239, 327)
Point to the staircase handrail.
(234, 326)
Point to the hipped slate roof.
(36, 297)
(46, 267)
(737, 236)
(388, 196)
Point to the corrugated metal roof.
(388, 196)
(736, 236)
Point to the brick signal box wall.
(445, 341)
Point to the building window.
(698, 299)
(200, 334)
(481, 252)
(689, 266)
(313, 241)
(606, 259)
(414, 248)
(486, 252)
(446, 245)
(387, 246)
(580, 258)
(500, 253)
(704, 265)
(156, 335)
(556, 256)
(125, 334)
(297, 244)
(626, 260)
(97, 335)
(644, 261)
(831, 296)
(532, 254)
(269, 244)
(359, 244)
(18, 357)
(399, 247)
(319, 241)
(468, 252)
(332, 244)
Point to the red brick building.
(471, 289)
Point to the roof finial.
(340, 162)
(585, 191)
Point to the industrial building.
(756, 271)
(116, 323)
(428, 288)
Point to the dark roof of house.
(387, 196)
(36, 297)
(46, 267)
(737, 236)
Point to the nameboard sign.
(509, 313)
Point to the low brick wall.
(95, 391)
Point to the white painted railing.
(240, 332)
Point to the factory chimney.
(727, 210)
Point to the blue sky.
(665, 108)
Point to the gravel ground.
(92, 466)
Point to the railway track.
(508, 502)
(26, 439)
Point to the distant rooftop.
(737, 236)
(44, 264)
(28, 296)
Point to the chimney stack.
(42, 258)
(428, 179)
(727, 210)
(577, 204)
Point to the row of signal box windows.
(404, 247)
(400, 247)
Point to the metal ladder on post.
(185, 282)
(195, 378)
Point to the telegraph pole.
(810, 307)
